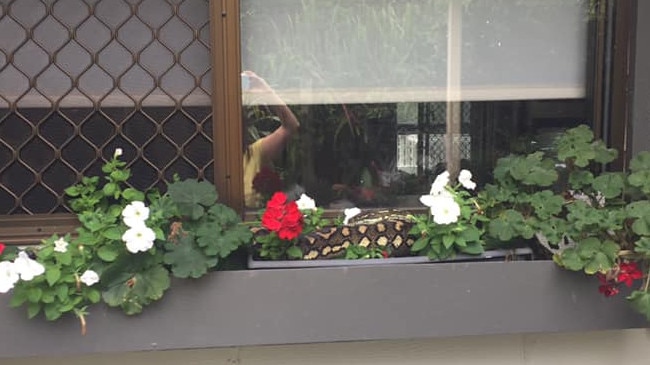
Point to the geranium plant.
(284, 223)
(590, 219)
(455, 222)
(127, 247)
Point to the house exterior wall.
(595, 348)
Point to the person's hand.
(256, 83)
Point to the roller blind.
(333, 51)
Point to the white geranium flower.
(430, 200)
(8, 276)
(27, 268)
(306, 203)
(439, 183)
(139, 239)
(350, 213)
(118, 152)
(89, 278)
(135, 214)
(445, 211)
(61, 245)
(444, 208)
(465, 179)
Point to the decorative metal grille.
(432, 127)
(79, 78)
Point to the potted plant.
(128, 246)
(295, 234)
(590, 219)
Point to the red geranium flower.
(608, 290)
(606, 287)
(628, 272)
(282, 217)
(2, 248)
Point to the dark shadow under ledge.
(288, 306)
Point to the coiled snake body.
(387, 230)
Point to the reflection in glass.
(389, 94)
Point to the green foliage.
(604, 216)
(191, 234)
(273, 248)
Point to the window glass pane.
(81, 78)
(390, 93)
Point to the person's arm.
(273, 144)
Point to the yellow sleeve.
(252, 165)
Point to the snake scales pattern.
(386, 230)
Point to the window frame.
(614, 21)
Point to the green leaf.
(187, 259)
(640, 162)
(420, 244)
(294, 252)
(640, 301)
(580, 178)
(603, 154)
(108, 253)
(131, 194)
(229, 241)
(52, 312)
(138, 290)
(569, 259)
(192, 196)
(48, 296)
(638, 209)
(609, 184)
(473, 248)
(598, 263)
(113, 233)
(62, 292)
(33, 309)
(506, 226)
(110, 189)
(19, 297)
(448, 240)
(120, 175)
(93, 295)
(34, 294)
(52, 275)
(641, 180)
(546, 203)
(576, 145)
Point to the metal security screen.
(79, 78)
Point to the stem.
(78, 281)
(82, 320)
(81, 314)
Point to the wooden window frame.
(611, 106)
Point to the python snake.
(386, 230)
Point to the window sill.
(240, 308)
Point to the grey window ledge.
(286, 306)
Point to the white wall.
(593, 348)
